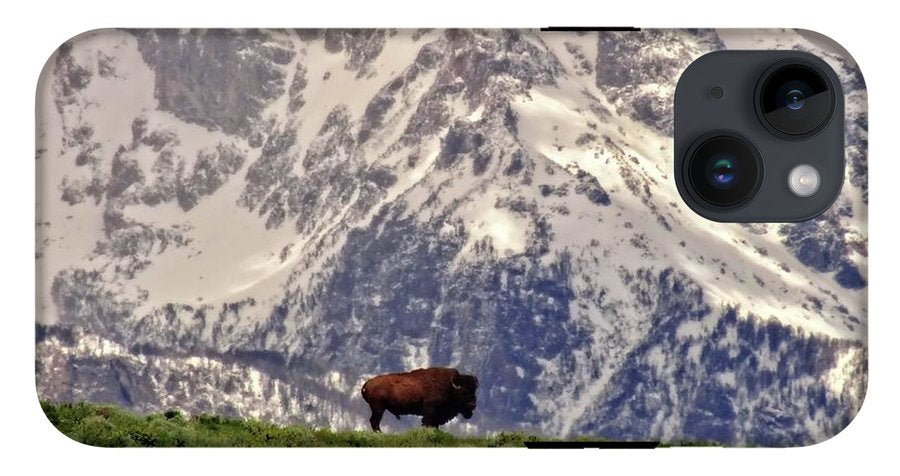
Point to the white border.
(30, 33)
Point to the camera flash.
(803, 180)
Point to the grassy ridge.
(111, 426)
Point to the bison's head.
(463, 393)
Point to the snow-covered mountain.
(254, 222)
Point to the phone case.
(251, 224)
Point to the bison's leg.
(375, 419)
(429, 422)
(429, 416)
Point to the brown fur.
(427, 392)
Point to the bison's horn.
(455, 386)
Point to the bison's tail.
(365, 392)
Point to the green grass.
(111, 426)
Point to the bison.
(437, 394)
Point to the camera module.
(759, 136)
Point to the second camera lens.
(795, 99)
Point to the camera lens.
(723, 170)
(796, 99)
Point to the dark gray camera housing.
(720, 92)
